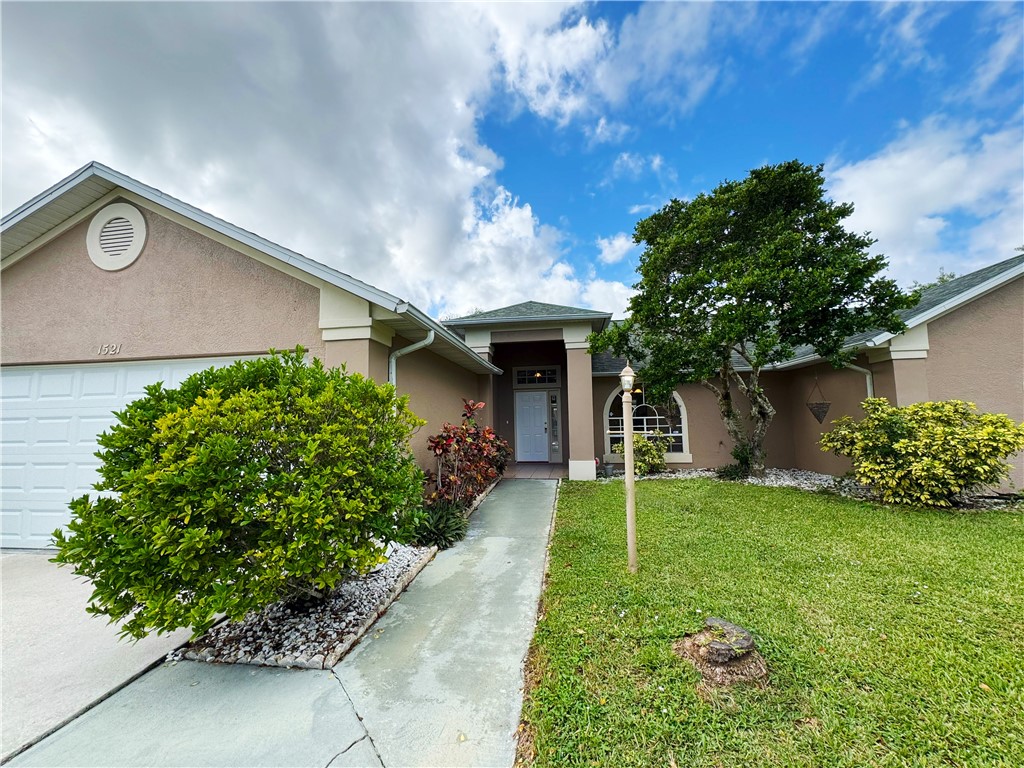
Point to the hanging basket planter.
(819, 409)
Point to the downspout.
(393, 357)
(868, 375)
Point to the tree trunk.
(761, 414)
(731, 418)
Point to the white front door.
(531, 426)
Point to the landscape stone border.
(283, 636)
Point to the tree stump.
(724, 653)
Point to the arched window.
(648, 418)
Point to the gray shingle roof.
(529, 311)
(946, 293)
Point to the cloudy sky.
(472, 156)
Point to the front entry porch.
(543, 401)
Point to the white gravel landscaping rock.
(311, 636)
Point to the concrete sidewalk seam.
(364, 737)
(362, 725)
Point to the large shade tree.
(736, 280)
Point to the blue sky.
(470, 156)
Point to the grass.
(893, 637)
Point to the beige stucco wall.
(794, 423)
(185, 296)
(977, 354)
(435, 387)
(364, 356)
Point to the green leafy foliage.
(469, 458)
(247, 484)
(926, 453)
(442, 525)
(740, 468)
(737, 279)
(648, 453)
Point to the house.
(108, 285)
(964, 340)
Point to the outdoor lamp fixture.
(626, 378)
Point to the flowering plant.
(469, 458)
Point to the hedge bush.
(648, 453)
(261, 481)
(926, 453)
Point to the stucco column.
(580, 390)
(908, 356)
(365, 356)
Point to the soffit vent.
(116, 236)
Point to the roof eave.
(428, 323)
(602, 318)
(951, 304)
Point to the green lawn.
(893, 636)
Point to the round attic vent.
(116, 236)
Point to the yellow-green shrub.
(648, 453)
(249, 484)
(926, 453)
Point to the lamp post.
(626, 380)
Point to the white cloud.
(265, 115)
(629, 165)
(608, 296)
(933, 175)
(664, 46)
(606, 132)
(1003, 55)
(615, 248)
(547, 54)
(902, 42)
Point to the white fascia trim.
(429, 324)
(957, 301)
(44, 198)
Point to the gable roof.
(942, 299)
(531, 312)
(93, 182)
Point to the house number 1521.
(109, 349)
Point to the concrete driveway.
(57, 659)
(438, 682)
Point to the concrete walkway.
(437, 682)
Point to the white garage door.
(51, 417)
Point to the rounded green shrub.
(648, 453)
(926, 453)
(442, 525)
(260, 481)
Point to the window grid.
(646, 421)
(535, 377)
